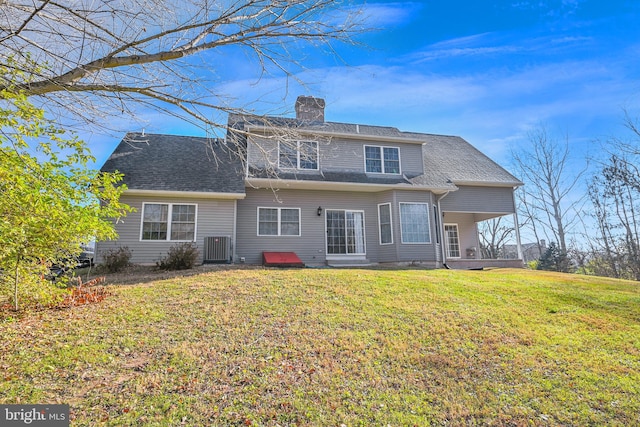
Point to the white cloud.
(549, 8)
(390, 14)
(458, 42)
(490, 108)
(431, 55)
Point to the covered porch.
(474, 240)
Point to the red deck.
(281, 259)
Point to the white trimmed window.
(384, 223)
(278, 221)
(168, 221)
(381, 159)
(298, 155)
(414, 223)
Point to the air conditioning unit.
(217, 249)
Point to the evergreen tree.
(554, 259)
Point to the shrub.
(554, 259)
(36, 287)
(114, 260)
(181, 256)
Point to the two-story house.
(332, 193)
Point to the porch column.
(518, 243)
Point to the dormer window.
(381, 159)
(298, 155)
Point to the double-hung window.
(278, 222)
(381, 159)
(167, 221)
(414, 223)
(298, 155)
(384, 222)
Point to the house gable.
(437, 163)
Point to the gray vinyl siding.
(414, 252)
(467, 231)
(480, 200)
(337, 154)
(403, 252)
(214, 218)
(348, 155)
(310, 246)
(388, 252)
(262, 152)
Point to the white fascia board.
(335, 186)
(185, 194)
(379, 138)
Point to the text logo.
(34, 415)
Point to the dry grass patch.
(331, 347)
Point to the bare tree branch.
(550, 184)
(26, 22)
(100, 49)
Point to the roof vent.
(310, 109)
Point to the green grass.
(332, 347)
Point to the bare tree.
(96, 58)
(494, 234)
(602, 245)
(548, 200)
(530, 219)
(615, 194)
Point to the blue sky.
(489, 71)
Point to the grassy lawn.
(331, 347)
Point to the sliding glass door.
(345, 232)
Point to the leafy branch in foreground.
(50, 201)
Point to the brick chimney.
(310, 109)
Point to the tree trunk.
(15, 284)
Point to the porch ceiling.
(479, 217)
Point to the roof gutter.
(506, 184)
(185, 194)
(336, 185)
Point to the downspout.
(235, 202)
(442, 251)
(246, 160)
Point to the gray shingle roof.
(333, 127)
(453, 158)
(177, 163)
(448, 160)
(195, 164)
